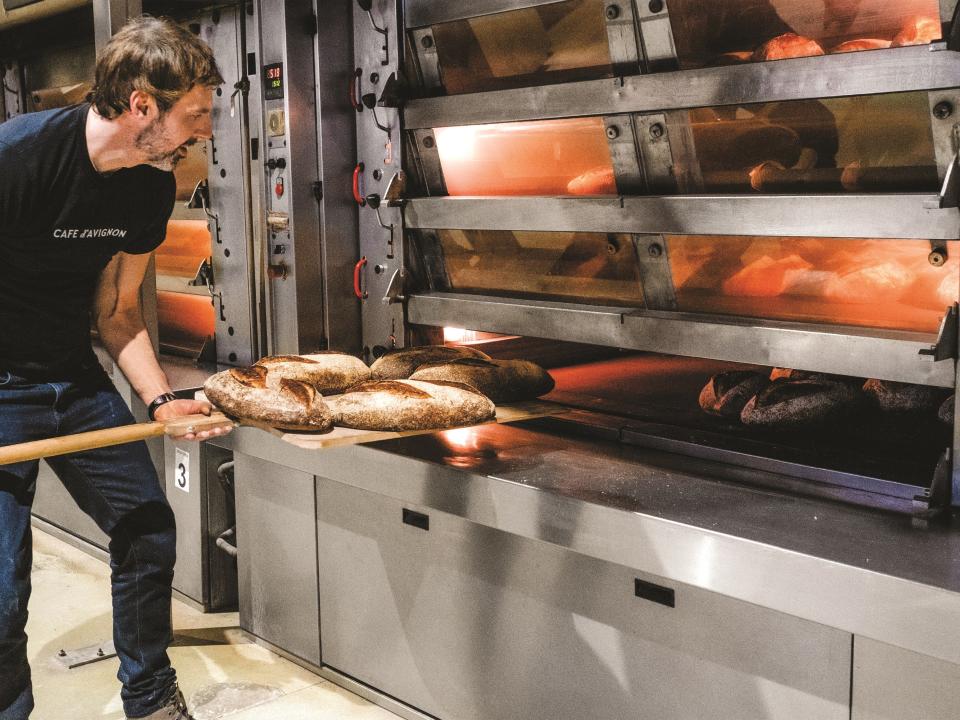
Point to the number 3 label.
(181, 471)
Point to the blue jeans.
(119, 489)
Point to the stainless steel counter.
(865, 572)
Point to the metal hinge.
(946, 347)
(318, 189)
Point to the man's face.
(166, 139)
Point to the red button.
(279, 188)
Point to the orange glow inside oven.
(185, 321)
(873, 283)
(730, 32)
(184, 249)
(556, 42)
(549, 157)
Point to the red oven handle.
(361, 295)
(357, 194)
(355, 90)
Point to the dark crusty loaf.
(401, 364)
(946, 411)
(727, 393)
(398, 405)
(787, 403)
(904, 398)
(329, 372)
(244, 393)
(808, 376)
(499, 380)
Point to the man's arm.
(119, 319)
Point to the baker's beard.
(153, 141)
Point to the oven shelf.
(918, 68)
(900, 216)
(843, 350)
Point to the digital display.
(273, 81)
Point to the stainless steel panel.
(457, 621)
(336, 131)
(296, 290)
(419, 13)
(382, 157)
(858, 216)
(190, 512)
(111, 15)
(229, 180)
(277, 563)
(860, 352)
(881, 71)
(204, 573)
(894, 684)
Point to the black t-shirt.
(61, 222)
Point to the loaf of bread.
(904, 398)
(329, 372)
(788, 403)
(919, 30)
(788, 45)
(399, 405)
(860, 45)
(401, 364)
(727, 393)
(245, 394)
(500, 380)
(946, 411)
(808, 376)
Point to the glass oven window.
(591, 268)
(558, 42)
(731, 32)
(547, 157)
(878, 143)
(872, 283)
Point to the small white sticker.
(181, 473)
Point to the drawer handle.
(417, 520)
(654, 593)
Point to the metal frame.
(420, 13)
(840, 216)
(859, 352)
(923, 68)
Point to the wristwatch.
(157, 402)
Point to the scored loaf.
(727, 393)
(400, 405)
(789, 403)
(245, 394)
(499, 380)
(401, 364)
(904, 398)
(329, 372)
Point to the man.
(85, 195)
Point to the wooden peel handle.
(95, 439)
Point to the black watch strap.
(157, 402)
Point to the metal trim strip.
(884, 216)
(921, 68)
(421, 13)
(843, 350)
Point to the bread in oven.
(788, 45)
(403, 405)
(946, 411)
(329, 372)
(246, 394)
(727, 393)
(904, 398)
(502, 381)
(790, 403)
(860, 45)
(401, 364)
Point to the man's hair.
(155, 56)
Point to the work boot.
(175, 709)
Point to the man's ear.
(142, 105)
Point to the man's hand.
(180, 408)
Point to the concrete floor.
(222, 673)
